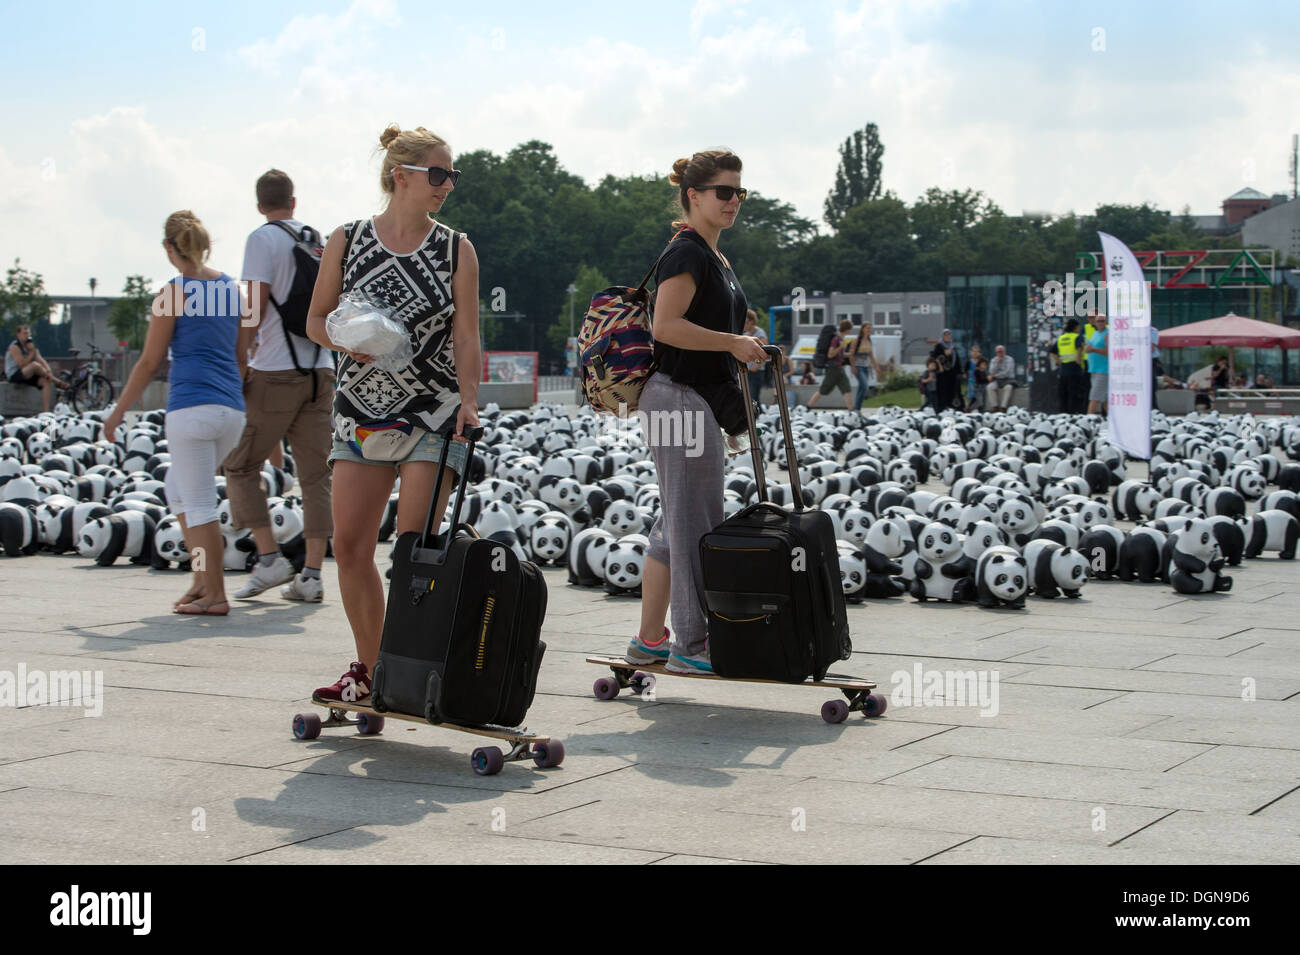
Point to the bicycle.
(88, 390)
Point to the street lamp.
(568, 362)
(93, 283)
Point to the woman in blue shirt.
(197, 316)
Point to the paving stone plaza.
(1131, 726)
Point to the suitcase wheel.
(368, 725)
(835, 711)
(487, 760)
(546, 755)
(874, 704)
(605, 688)
(306, 726)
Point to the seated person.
(808, 377)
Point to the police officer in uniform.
(1072, 380)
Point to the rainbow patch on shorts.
(364, 431)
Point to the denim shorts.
(428, 448)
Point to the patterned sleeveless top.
(417, 287)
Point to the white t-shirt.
(268, 257)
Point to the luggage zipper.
(766, 618)
(481, 656)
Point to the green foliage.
(588, 282)
(857, 179)
(900, 380)
(129, 315)
(23, 300)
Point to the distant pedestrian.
(865, 367)
(835, 376)
(1002, 379)
(948, 362)
(1098, 367)
(197, 316)
(757, 370)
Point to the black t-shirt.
(719, 305)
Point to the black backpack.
(823, 346)
(307, 251)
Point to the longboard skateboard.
(641, 677)
(485, 760)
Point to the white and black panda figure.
(622, 518)
(1101, 548)
(853, 571)
(1016, 519)
(1272, 530)
(625, 565)
(18, 531)
(1134, 500)
(238, 549)
(587, 557)
(1231, 535)
(1174, 507)
(937, 573)
(1054, 569)
(1001, 578)
(1226, 501)
(1247, 481)
(978, 538)
(1287, 501)
(127, 534)
(550, 539)
(1065, 532)
(169, 545)
(1195, 562)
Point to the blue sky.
(116, 115)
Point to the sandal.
(196, 609)
(191, 595)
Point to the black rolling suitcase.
(771, 579)
(462, 632)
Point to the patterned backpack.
(616, 346)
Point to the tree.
(858, 177)
(22, 299)
(128, 316)
(588, 282)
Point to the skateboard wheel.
(835, 711)
(874, 704)
(306, 726)
(605, 688)
(642, 682)
(546, 755)
(487, 760)
(368, 725)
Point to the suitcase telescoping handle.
(791, 461)
(473, 435)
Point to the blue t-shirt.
(204, 370)
(1098, 362)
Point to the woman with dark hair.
(949, 364)
(427, 274)
(864, 365)
(699, 317)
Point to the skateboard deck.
(486, 760)
(641, 678)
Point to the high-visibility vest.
(1067, 346)
(1088, 331)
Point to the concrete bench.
(507, 394)
(19, 401)
(1176, 401)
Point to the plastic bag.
(360, 324)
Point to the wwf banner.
(1128, 347)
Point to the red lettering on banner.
(1172, 281)
(1122, 354)
(1122, 324)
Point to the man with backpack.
(288, 392)
(832, 358)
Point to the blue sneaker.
(698, 664)
(638, 651)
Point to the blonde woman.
(197, 316)
(428, 275)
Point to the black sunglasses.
(725, 192)
(437, 175)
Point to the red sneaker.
(352, 687)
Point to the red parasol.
(1230, 330)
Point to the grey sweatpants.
(686, 444)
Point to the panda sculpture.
(1055, 569)
(18, 531)
(587, 556)
(1193, 560)
(127, 534)
(625, 564)
(1272, 530)
(938, 576)
(1001, 578)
